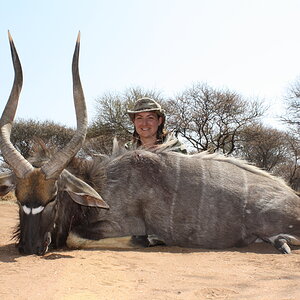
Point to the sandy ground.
(255, 272)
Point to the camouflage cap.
(146, 104)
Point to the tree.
(211, 119)
(291, 117)
(99, 139)
(266, 147)
(290, 169)
(292, 101)
(23, 133)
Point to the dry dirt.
(255, 272)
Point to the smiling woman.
(146, 125)
(148, 119)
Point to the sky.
(248, 46)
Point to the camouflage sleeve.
(176, 146)
(180, 147)
(127, 145)
(130, 146)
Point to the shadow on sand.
(9, 253)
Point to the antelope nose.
(40, 251)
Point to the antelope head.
(37, 189)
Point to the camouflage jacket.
(176, 147)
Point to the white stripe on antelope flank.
(174, 198)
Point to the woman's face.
(146, 124)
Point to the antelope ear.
(7, 183)
(81, 192)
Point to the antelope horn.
(17, 162)
(58, 162)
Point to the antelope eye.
(51, 204)
(51, 200)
